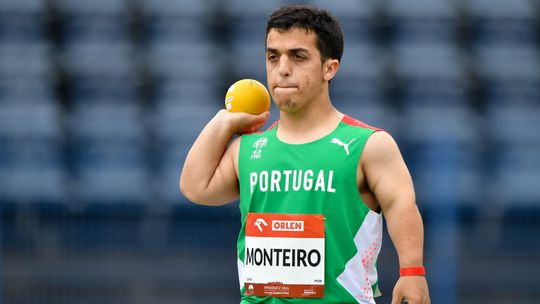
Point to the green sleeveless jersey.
(318, 177)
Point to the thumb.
(256, 122)
(261, 118)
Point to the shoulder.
(380, 148)
(381, 141)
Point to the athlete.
(314, 187)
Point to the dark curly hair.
(321, 22)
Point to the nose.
(284, 68)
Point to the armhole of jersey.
(357, 123)
(365, 177)
(363, 173)
(238, 160)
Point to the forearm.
(407, 232)
(204, 156)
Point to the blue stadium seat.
(110, 185)
(252, 63)
(110, 155)
(513, 124)
(434, 122)
(501, 21)
(465, 181)
(187, 91)
(442, 143)
(108, 122)
(25, 59)
(359, 78)
(102, 20)
(32, 168)
(413, 21)
(30, 122)
(248, 21)
(176, 126)
(511, 73)
(184, 71)
(26, 71)
(176, 20)
(357, 17)
(178, 122)
(22, 21)
(514, 182)
(101, 70)
(430, 73)
(170, 167)
(26, 89)
(514, 156)
(183, 59)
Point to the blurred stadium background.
(100, 101)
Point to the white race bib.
(284, 255)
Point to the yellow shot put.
(249, 96)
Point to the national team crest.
(257, 148)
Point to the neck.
(310, 123)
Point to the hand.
(411, 289)
(243, 123)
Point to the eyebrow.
(291, 51)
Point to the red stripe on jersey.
(354, 122)
(272, 125)
(346, 119)
(269, 128)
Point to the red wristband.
(412, 271)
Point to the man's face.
(293, 68)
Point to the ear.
(330, 68)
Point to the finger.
(397, 298)
(262, 118)
(260, 121)
(257, 127)
(254, 128)
(413, 300)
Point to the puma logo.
(340, 143)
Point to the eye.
(271, 57)
(299, 57)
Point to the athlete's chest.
(327, 152)
(316, 168)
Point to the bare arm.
(210, 175)
(390, 181)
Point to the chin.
(288, 106)
(280, 103)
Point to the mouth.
(284, 88)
